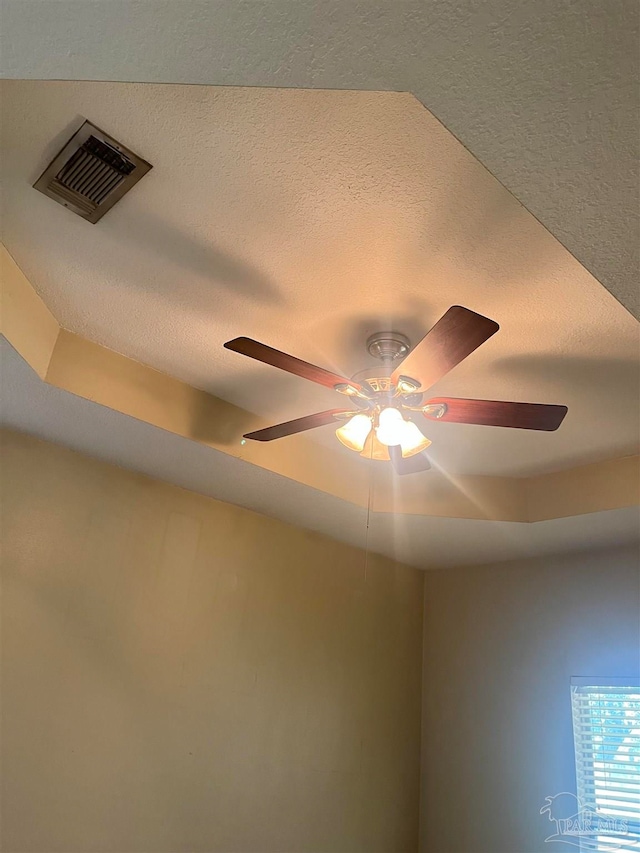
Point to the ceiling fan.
(389, 412)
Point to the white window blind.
(606, 728)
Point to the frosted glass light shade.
(392, 431)
(354, 433)
(373, 449)
(390, 427)
(413, 441)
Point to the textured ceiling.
(545, 94)
(31, 406)
(309, 219)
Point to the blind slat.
(606, 726)
(622, 797)
(615, 794)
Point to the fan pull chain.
(366, 535)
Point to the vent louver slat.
(79, 179)
(77, 201)
(91, 173)
(101, 181)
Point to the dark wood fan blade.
(298, 425)
(268, 355)
(411, 465)
(455, 336)
(500, 413)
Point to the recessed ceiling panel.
(309, 220)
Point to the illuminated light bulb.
(413, 441)
(354, 433)
(390, 427)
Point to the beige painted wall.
(500, 646)
(185, 675)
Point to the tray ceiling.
(309, 219)
(32, 406)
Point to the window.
(606, 728)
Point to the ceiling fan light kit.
(390, 406)
(387, 428)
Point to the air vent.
(91, 173)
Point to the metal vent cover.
(91, 173)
